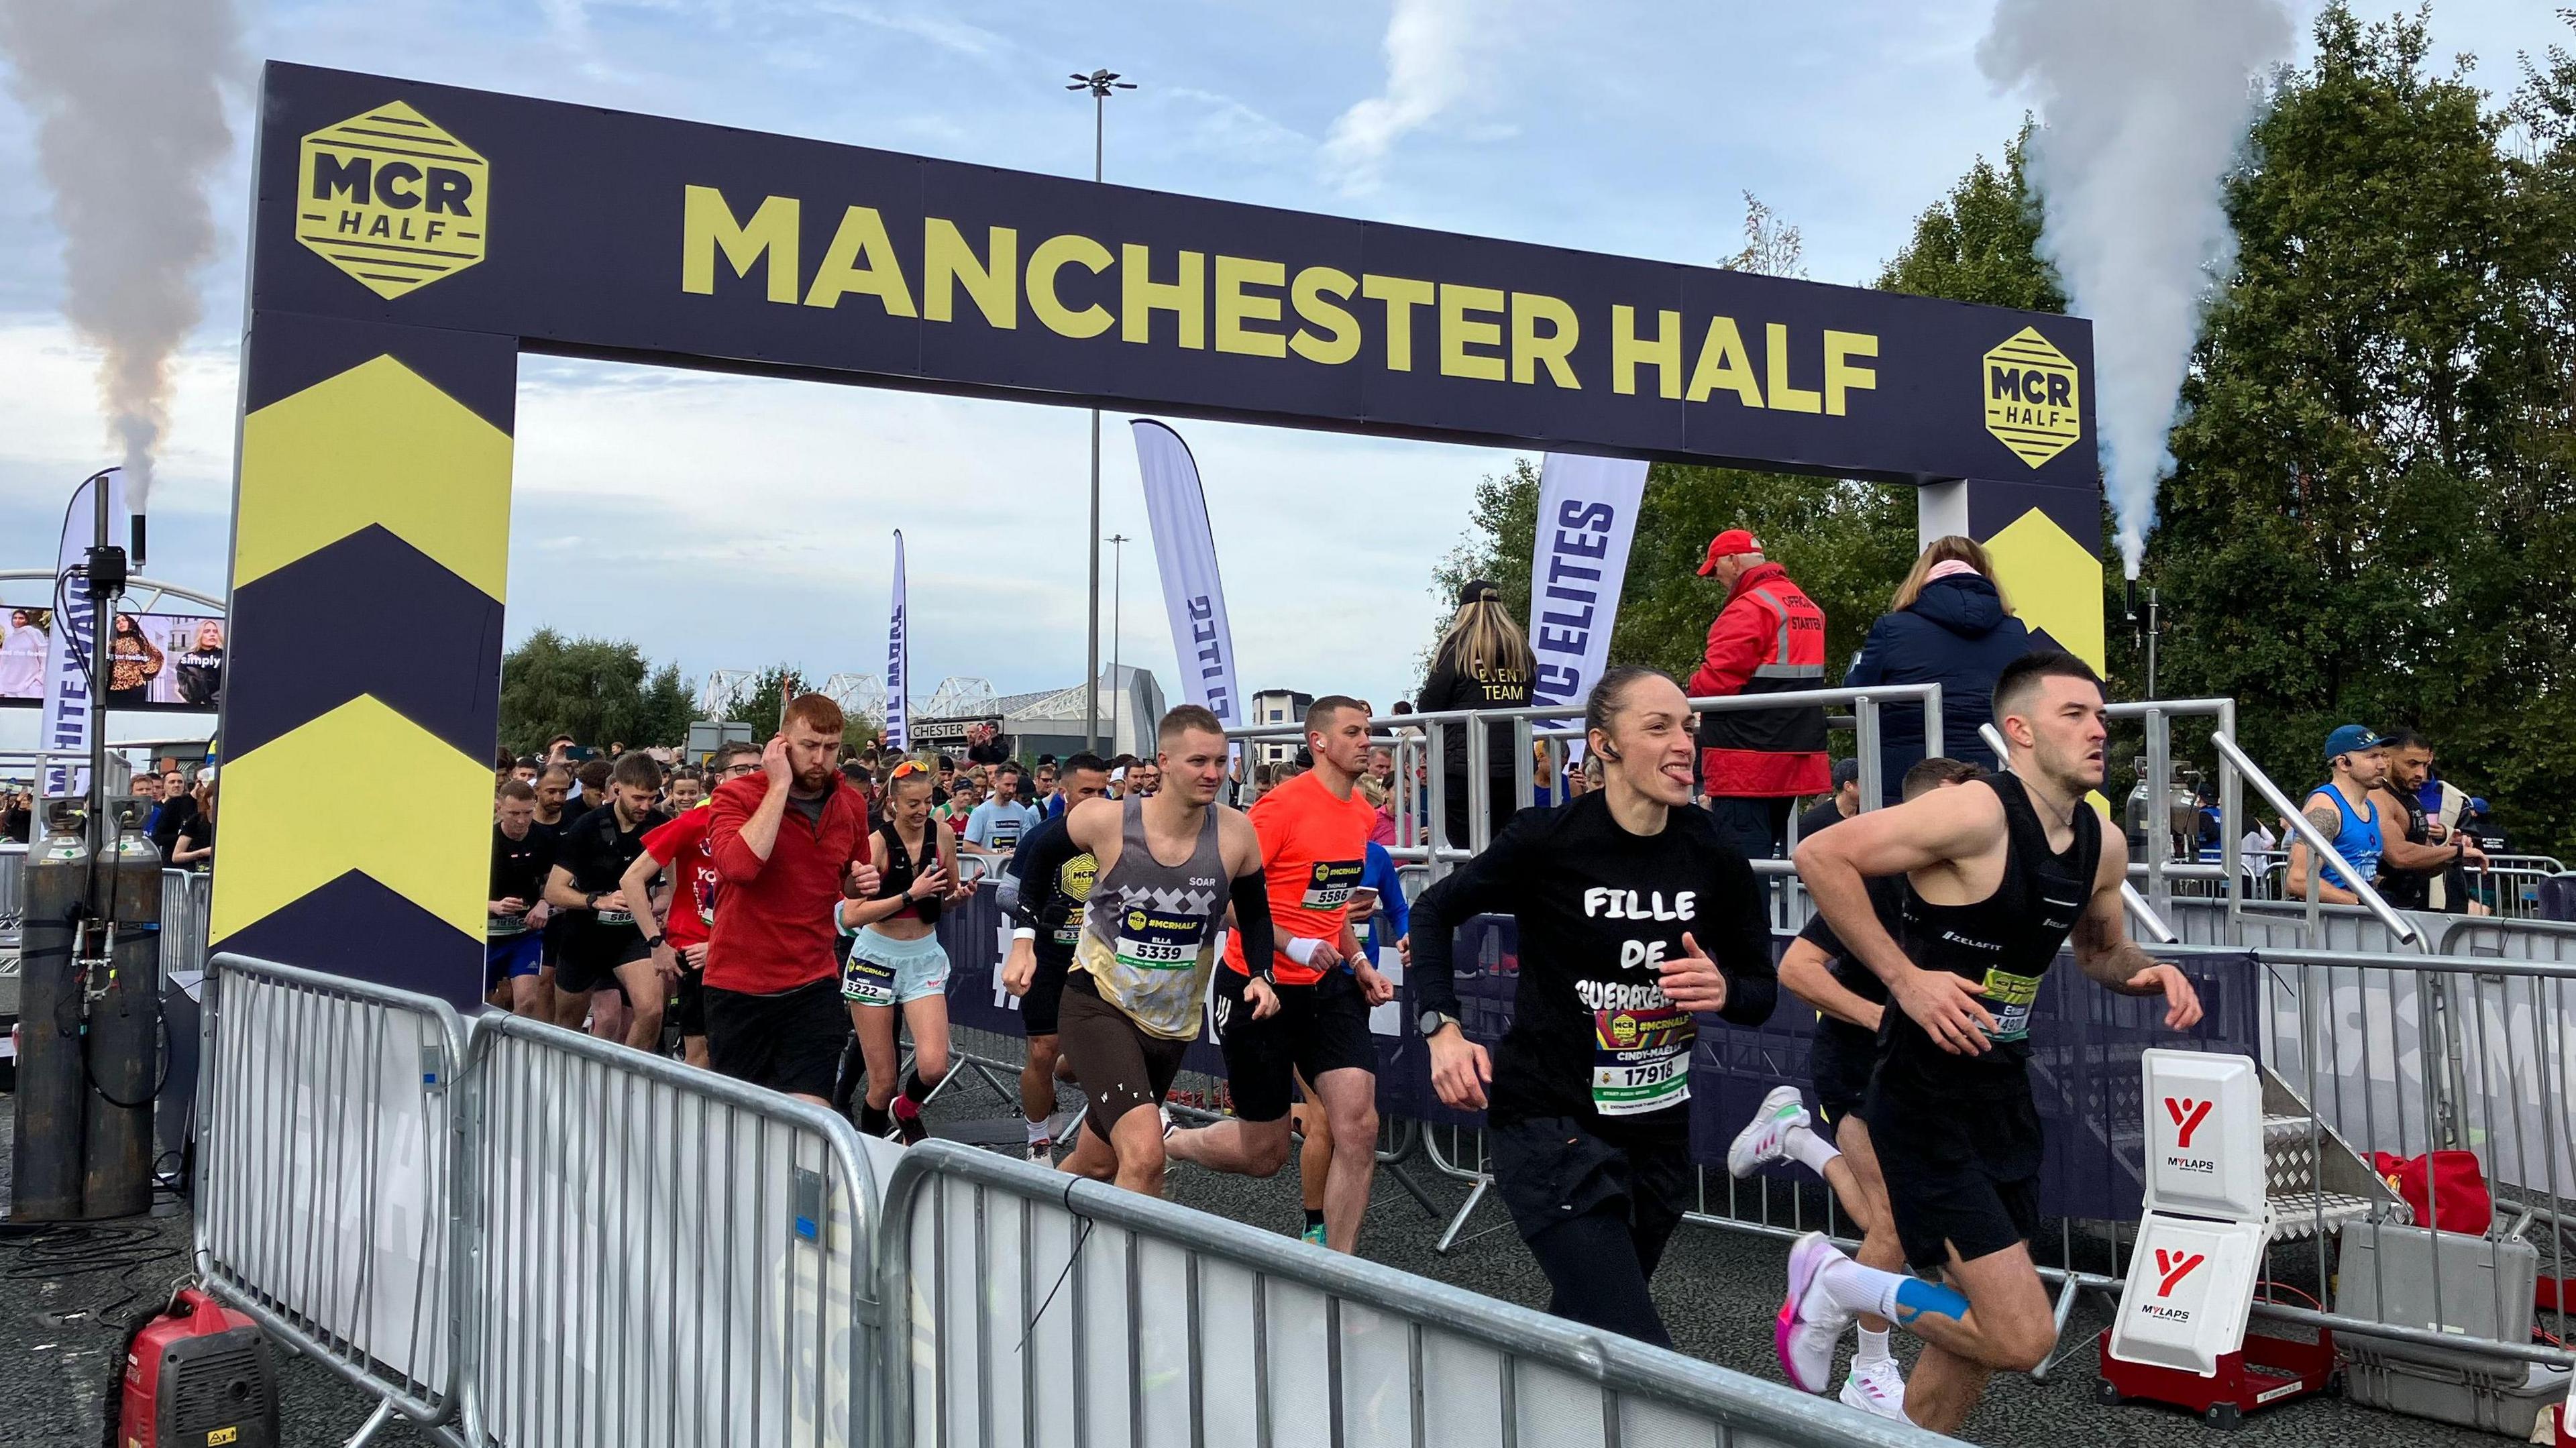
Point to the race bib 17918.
(1641, 1060)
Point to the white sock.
(1873, 1347)
(1861, 1289)
(1038, 1131)
(1810, 1150)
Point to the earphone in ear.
(1608, 753)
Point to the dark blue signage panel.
(600, 232)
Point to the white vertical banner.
(898, 727)
(1587, 517)
(71, 701)
(1185, 554)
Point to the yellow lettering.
(1316, 294)
(1401, 295)
(1628, 351)
(1458, 332)
(1840, 376)
(861, 259)
(1140, 297)
(1723, 362)
(1775, 346)
(1053, 255)
(1234, 307)
(1532, 348)
(947, 262)
(707, 225)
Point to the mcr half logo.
(392, 200)
(2187, 1116)
(2031, 395)
(2173, 1267)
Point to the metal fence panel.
(664, 1255)
(184, 894)
(327, 1173)
(1040, 1308)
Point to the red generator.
(198, 1376)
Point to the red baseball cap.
(1727, 544)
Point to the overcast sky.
(731, 523)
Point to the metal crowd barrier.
(1038, 1306)
(517, 1235)
(328, 1136)
(659, 1254)
(13, 891)
(184, 895)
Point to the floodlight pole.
(1100, 83)
(1117, 627)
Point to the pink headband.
(1950, 568)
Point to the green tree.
(2371, 516)
(598, 691)
(1980, 243)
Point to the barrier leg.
(375, 1424)
(2065, 1309)
(1449, 1238)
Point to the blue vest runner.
(2357, 839)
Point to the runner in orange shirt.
(1304, 1011)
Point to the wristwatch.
(653, 941)
(591, 900)
(1433, 1023)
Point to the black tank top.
(2007, 941)
(901, 870)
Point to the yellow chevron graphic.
(2054, 581)
(278, 848)
(375, 444)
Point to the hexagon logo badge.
(392, 200)
(2031, 390)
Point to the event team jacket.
(1769, 639)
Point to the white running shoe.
(1764, 1138)
(1876, 1387)
(1811, 1322)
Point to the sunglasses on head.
(909, 766)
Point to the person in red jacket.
(1769, 638)
(789, 843)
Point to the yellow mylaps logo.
(2031, 391)
(391, 199)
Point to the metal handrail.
(2314, 838)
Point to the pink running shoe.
(1811, 1322)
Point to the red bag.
(2453, 1176)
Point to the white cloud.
(1427, 72)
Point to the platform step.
(2299, 1214)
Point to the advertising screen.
(155, 660)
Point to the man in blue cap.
(2342, 811)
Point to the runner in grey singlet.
(1149, 933)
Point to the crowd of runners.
(776, 911)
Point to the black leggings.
(1598, 1263)
(1596, 1204)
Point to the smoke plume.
(2143, 107)
(127, 96)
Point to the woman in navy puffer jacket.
(1952, 626)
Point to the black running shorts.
(689, 1002)
(1838, 1064)
(1039, 1008)
(790, 1041)
(1318, 1028)
(1121, 1066)
(1960, 1173)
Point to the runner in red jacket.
(1768, 639)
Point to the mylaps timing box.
(597, 232)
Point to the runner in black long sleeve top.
(1633, 917)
